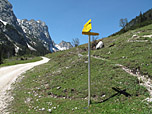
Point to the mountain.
(19, 37)
(37, 34)
(64, 45)
(7, 14)
(12, 38)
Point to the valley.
(60, 86)
(121, 64)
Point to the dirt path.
(8, 75)
(143, 79)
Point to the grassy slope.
(131, 54)
(17, 60)
(68, 71)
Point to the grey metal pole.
(89, 97)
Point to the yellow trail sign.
(87, 27)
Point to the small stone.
(58, 88)
(36, 95)
(134, 36)
(43, 109)
(123, 57)
(66, 67)
(86, 62)
(12, 98)
(80, 55)
(49, 110)
(103, 95)
(55, 96)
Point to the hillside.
(60, 86)
(143, 19)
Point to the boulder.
(100, 45)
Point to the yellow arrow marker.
(87, 27)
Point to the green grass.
(17, 60)
(65, 78)
(131, 54)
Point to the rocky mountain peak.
(34, 27)
(64, 45)
(36, 30)
(6, 13)
(25, 36)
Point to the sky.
(66, 18)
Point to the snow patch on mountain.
(5, 23)
(16, 49)
(61, 48)
(30, 47)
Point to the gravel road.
(8, 75)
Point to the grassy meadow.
(19, 60)
(60, 86)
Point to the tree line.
(143, 19)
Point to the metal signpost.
(89, 97)
(86, 31)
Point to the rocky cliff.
(7, 15)
(18, 37)
(36, 32)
